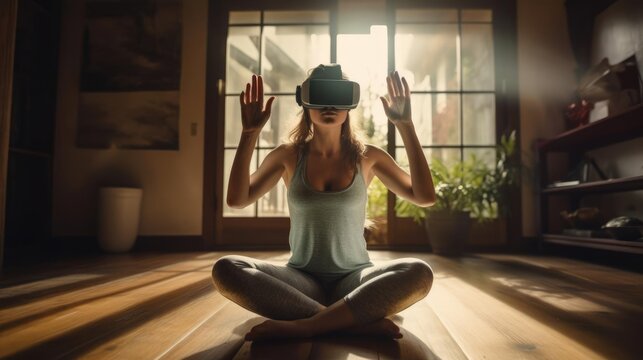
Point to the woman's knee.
(225, 269)
(421, 274)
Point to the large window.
(447, 56)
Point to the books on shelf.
(564, 183)
(586, 233)
(580, 173)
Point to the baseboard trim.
(401, 248)
(89, 244)
(250, 247)
(178, 243)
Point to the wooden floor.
(151, 306)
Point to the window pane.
(448, 156)
(477, 57)
(242, 57)
(295, 17)
(284, 115)
(436, 118)
(426, 15)
(487, 156)
(352, 49)
(427, 55)
(479, 119)
(289, 52)
(244, 17)
(476, 15)
(232, 121)
(274, 203)
(227, 165)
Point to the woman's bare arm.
(243, 188)
(418, 187)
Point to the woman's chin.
(331, 120)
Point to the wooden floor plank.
(90, 314)
(579, 309)
(486, 328)
(69, 300)
(432, 339)
(85, 322)
(219, 337)
(154, 337)
(618, 287)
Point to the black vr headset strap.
(298, 95)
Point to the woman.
(329, 283)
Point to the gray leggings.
(284, 293)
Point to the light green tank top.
(327, 228)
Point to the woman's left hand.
(397, 105)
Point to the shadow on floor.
(328, 347)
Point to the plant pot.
(490, 233)
(376, 233)
(447, 231)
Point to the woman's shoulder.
(286, 153)
(373, 151)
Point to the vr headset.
(318, 93)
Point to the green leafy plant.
(470, 186)
(491, 201)
(376, 205)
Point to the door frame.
(8, 20)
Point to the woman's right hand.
(253, 114)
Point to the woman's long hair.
(352, 147)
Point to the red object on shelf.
(577, 114)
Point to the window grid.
(461, 92)
(261, 25)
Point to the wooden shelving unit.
(607, 131)
(601, 133)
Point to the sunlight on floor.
(561, 300)
(482, 332)
(45, 284)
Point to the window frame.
(232, 232)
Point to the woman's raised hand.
(397, 105)
(253, 115)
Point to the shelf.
(635, 247)
(603, 132)
(611, 185)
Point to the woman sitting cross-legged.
(329, 283)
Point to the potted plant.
(376, 225)
(464, 190)
(491, 208)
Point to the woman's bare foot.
(271, 329)
(383, 327)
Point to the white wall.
(172, 180)
(545, 83)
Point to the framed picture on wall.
(130, 77)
